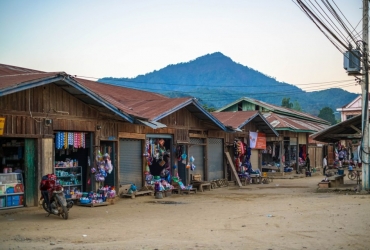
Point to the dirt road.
(285, 214)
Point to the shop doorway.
(109, 147)
(71, 155)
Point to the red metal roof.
(14, 76)
(16, 80)
(14, 70)
(281, 122)
(132, 101)
(234, 119)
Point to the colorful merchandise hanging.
(65, 139)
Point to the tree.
(286, 103)
(209, 109)
(327, 114)
(297, 106)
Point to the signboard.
(2, 125)
(257, 140)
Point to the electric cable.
(353, 28)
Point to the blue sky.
(127, 38)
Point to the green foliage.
(297, 106)
(328, 115)
(286, 103)
(209, 109)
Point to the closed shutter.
(197, 151)
(254, 159)
(130, 162)
(215, 159)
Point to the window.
(349, 116)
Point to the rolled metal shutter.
(197, 151)
(254, 159)
(215, 159)
(130, 162)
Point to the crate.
(197, 177)
(324, 184)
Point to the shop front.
(72, 160)
(143, 160)
(197, 152)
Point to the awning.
(152, 124)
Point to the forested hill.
(216, 80)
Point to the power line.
(202, 85)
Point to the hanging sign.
(2, 125)
(257, 140)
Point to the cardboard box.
(111, 201)
(324, 184)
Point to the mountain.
(216, 80)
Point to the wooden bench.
(201, 185)
(184, 191)
(123, 191)
(336, 180)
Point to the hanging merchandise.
(103, 168)
(65, 139)
(192, 167)
(191, 159)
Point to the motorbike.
(53, 199)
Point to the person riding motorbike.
(47, 185)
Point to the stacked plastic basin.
(13, 200)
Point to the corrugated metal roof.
(277, 109)
(146, 105)
(282, 122)
(124, 101)
(348, 129)
(234, 119)
(237, 119)
(7, 81)
(14, 70)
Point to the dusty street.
(285, 214)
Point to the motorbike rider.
(47, 185)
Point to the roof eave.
(31, 84)
(99, 99)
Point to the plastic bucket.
(340, 171)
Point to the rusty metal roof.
(126, 102)
(283, 122)
(13, 81)
(277, 109)
(13, 77)
(238, 119)
(348, 129)
(14, 70)
(147, 105)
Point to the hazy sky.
(127, 38)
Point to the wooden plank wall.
(25, 113)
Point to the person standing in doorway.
(324, 164)
(308, 163)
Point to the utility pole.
(365, 98)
